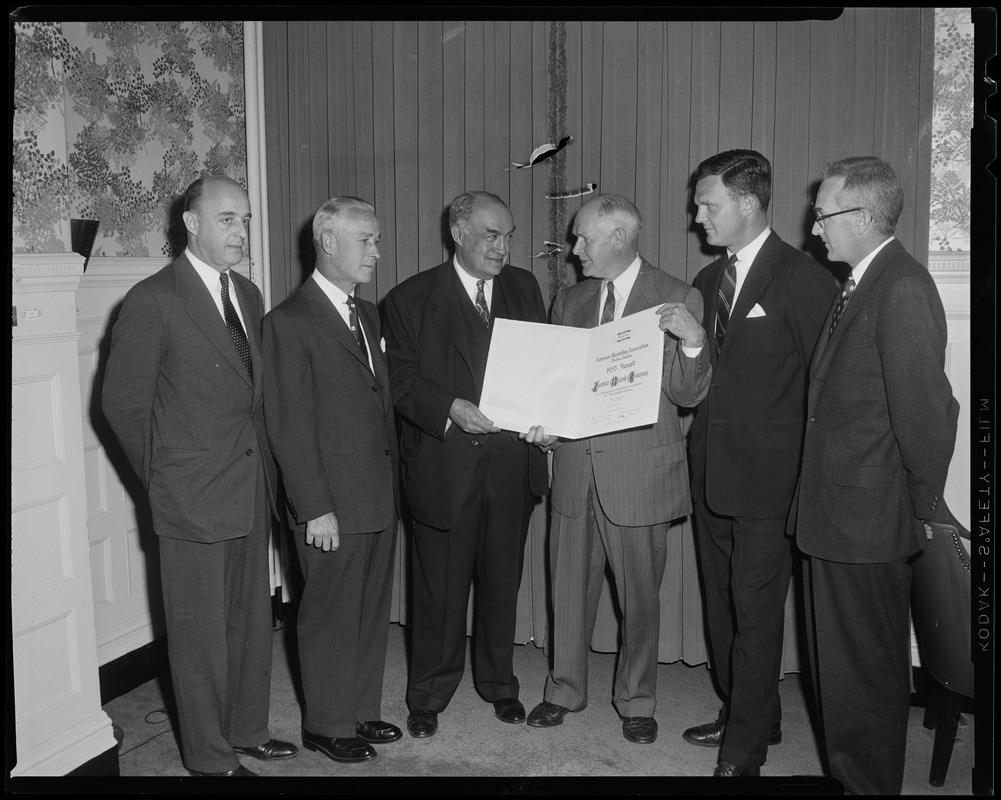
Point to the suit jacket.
(882, 420)
(641, 475)
(747, 436)
(183, 407)
(430, 365)
(332, 429)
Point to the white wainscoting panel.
(58, 720)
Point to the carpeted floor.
(475, 753)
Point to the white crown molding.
(45, 271)
(116, 267)
(949, 266)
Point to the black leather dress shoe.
(377, 732)
(641, 730)
(240, 772)
(347, 750)
(724, 769)
(547, 715)
(711, 734)
(271, 750)
(509, 709)
(422, 723)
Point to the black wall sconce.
(83, 232)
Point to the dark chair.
(940, 610)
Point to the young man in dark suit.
(183, 394)
(765, 306)
(471, 487)
(334, 434)
(880, 434)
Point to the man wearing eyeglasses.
(880, 435)
(765, 306)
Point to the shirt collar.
(624, 283)
(747, 254)
(334, 293)
(859, 269)
(468, 281)
(209, 275)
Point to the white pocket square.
(382, 344)
(757, 311)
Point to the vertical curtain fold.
(409, 114)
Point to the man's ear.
(456, 234)
(328, 242)
(190, 222)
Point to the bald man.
(183, 394)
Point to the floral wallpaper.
(952, 122)
(113, 120)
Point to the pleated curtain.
(408, 114)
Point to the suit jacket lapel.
(205, 314)
(828, 344)
(585, 315)
(368, 318)
(252, 321)
(642, 295)
(331, 321)
(758, 277)
(448, 314)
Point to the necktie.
(846, 292)
(481, 303)
(235, 328)
(608, 312)
(356, 328)
(727, 287)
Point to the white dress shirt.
(210, 277)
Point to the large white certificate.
(575, 382)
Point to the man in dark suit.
(615, 495)
(470, 487)
(334, 435)
(183, 394)
(881, 431)
(763, 316)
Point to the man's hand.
(322, 532)
(470, 418)
(675, 318)
(537, 435)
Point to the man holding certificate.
(614, 495)
(471, 487)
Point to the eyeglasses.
(819, 218)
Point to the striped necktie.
(727, 287)
(608, 312)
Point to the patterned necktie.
(235, 328)
(727, 287)
(846, 292)
(356, 328)
(608, 312)
(481, 303)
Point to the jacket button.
(387, 452)
(476, 443)
(588, 451)
(813, 419)
(375, 388)
(250, 451)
